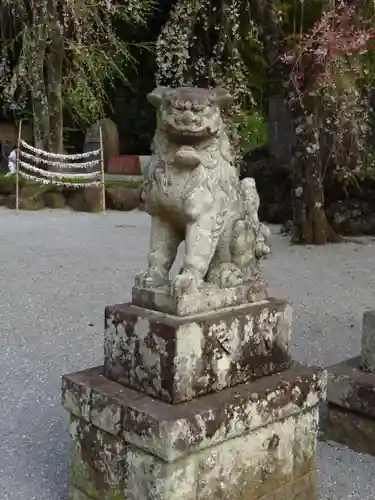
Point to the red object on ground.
(124, 164)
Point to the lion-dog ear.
(156, 96)
(222, 97)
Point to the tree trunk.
(310, 224)
(54, 61)
(38, 43)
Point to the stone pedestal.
(254, 441)
(351, 395)
(368, 342)
(209, 298)
(203, 407)
(178, 358)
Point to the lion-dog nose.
(188, 117)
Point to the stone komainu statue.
(193, 193)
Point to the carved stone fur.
(193, 193)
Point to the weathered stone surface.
(3, 200)
(123, 198)
(193, 194)
(31, 197)
(270, 459)
(305, 439)
(77, 494)
(76, 391)
(352, 388)
(98, 462)
(251, 465)
(259, 464)
(351, 214)
(87, 199)
(175, 431)
(303, 488)
(149, 477)
(368, 342)
(208, 298)
(351, 429)
(10, 201)
(105, 412)
(91, 396)
(54, 199)
(176, 359)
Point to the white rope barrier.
(87, 164)
(56, 156)
(40, 180)
(59, 175)
(58, 167)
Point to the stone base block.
(77, 494)
(303, 488)
(176, 359)
(351, 388)
(208, 299)
(253, 442)
(351, 429)
(351, 409)
(368, 342)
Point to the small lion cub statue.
(193, 193)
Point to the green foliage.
(76, 46)
(10, 180)
(368, 59)
(133, 115)
(253, 56)
(92, 73)
(299, 16)
(124, 183)
(368, 164)
(104, 64)
(253, 130)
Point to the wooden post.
(18, 165)
(102, 166)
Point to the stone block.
(352, 388)
(172, 432)
(260, 464)
(208, 299)
(305, 439)
(91, 396)
(269, 459)
(352, 429)
(77, 494)
(88, 199)
(150, 478)
(98, 463)
(249, 466)
(368, 342)
(104, 467)
(303, 488)
(351, 409)
(176, 359)
(76, 392)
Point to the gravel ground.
(59, 269)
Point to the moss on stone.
(54, 199)
(123, 195)
(31, 197)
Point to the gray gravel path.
(59, 269)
